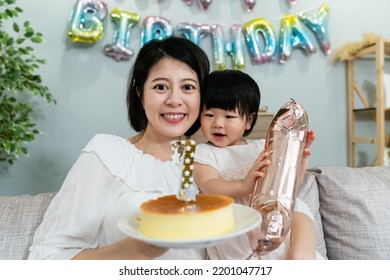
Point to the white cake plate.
(245, 218)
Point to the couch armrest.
(19, 218)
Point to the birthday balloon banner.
(301, 31)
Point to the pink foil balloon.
(188, 2)
(275, 200)
(205, 4)
(250, 4)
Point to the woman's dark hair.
(152, 52)
(231, 89)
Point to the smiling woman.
(163, 99)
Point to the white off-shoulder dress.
(233, 163)
(109, 180)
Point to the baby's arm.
(303, 238)
(209, 182)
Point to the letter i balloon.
(275, 199)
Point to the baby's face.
(223, 128)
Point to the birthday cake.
(168, 218)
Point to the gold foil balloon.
(275, 199)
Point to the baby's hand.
(310, 137)
(257, 172)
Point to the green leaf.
(10, 2)
(20, 41)
(24, 150)
(36, 40)
(9, 12)
(10, 41)
(16, 27)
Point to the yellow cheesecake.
(168, 218)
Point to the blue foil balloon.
(293, 36)
(155, 27)
(318, 23)
(194, 31)
(86, 21)
(253, 29)
(236, 46)
(219, 47)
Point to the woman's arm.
(303, 238)
(126, 249)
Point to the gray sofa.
(351, 207)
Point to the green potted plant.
(19, 82)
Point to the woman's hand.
(126, 249)
(150, 251)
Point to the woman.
(113, 176)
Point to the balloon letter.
(155, 28)
(292, 36)
(318, 23)
(119, 49)
(275, 200)
(86, 21)
(235, 47)
(252, 30)
(194, 32)
(219, 47)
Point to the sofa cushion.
(355, 211)
(308, 192)
(19, 218)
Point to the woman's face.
(171, 98)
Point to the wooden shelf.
(377, 51)
(370, 109)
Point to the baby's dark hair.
(231, 90)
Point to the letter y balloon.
(275, 199)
